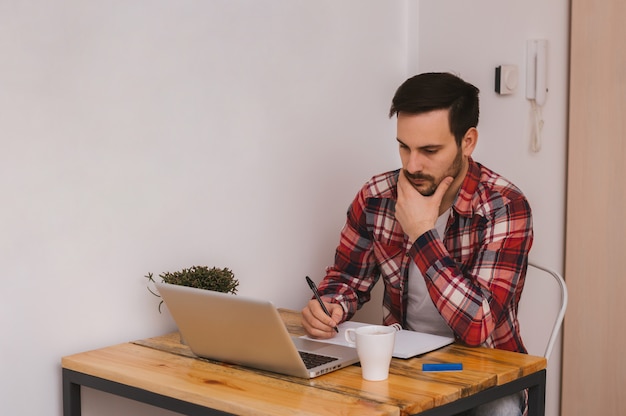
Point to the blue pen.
(443, 367)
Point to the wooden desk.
(163, 372)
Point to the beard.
(430, 183)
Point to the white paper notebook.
(408, 343)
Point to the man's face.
(428, 150)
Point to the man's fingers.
(443, 188)
(403, 182)
(315, 321)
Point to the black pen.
(317, 296)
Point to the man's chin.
(427, 192)
(425, 189)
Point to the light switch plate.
(507, 77)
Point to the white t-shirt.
(422, 316)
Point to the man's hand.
(315, 321)
(416, 213)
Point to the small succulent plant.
(201, 277)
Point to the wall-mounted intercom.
(537, 71)
(536, 86)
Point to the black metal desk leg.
(537, 397)
(71, 396)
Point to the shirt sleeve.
(476, 294)
(351, 278)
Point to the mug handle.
(350, 335)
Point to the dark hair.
(438, 91)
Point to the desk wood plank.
(408, 387)
(506, 365)
(165, 366)
(219, 386)
(403, 389)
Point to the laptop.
(248, 332)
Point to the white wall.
(146, 136)
(472, 38)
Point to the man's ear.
(469, 141)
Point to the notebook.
(408, 343)
(248, 332)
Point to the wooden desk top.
(165, 366)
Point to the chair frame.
(564, 298)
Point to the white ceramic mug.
(374, 346)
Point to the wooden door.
(594, 370)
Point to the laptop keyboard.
(313, 360)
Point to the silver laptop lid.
(245, 331)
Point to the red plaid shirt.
(475, 275)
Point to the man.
(449, 237)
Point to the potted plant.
(201, 277)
